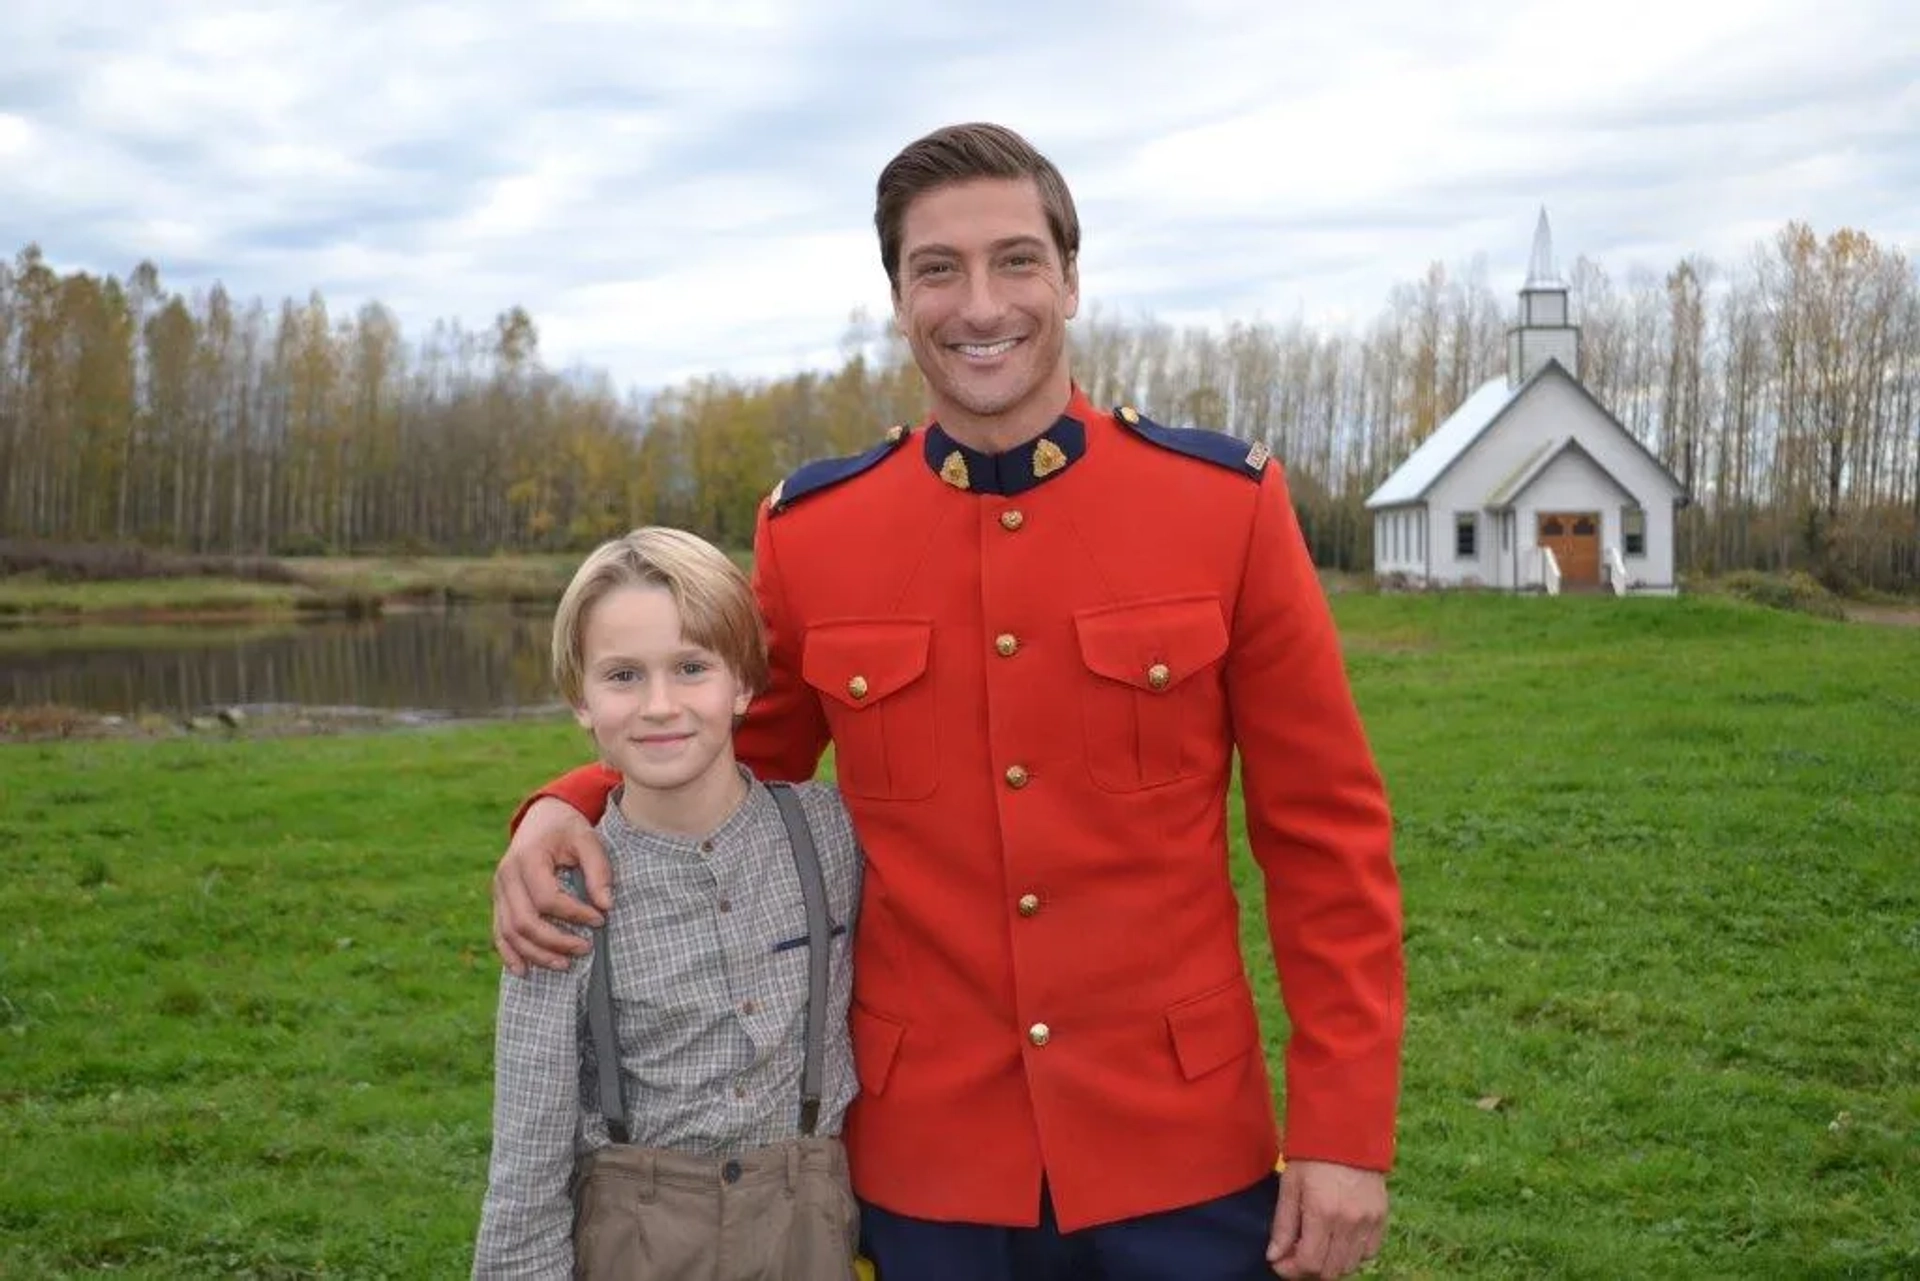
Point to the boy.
(724, 1171)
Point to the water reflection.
(463, 661)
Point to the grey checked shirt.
(709, 947)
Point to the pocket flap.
(859, 664)
(1152, 645)
(1214, 1028)
(876, 1042)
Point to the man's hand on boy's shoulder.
(529, 896)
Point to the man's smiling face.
(984, 301)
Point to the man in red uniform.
(1035, 632)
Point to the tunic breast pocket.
(873, 681)
(1154, 707)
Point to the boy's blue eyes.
(692, 667)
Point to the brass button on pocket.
(1159, 675)
(857, 687)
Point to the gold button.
(896, 433)
(1016, 776)
(1012, 520)
(1129, 413)
(1029, 904)
(1158, 676)
(1039, 1034)
(857, 687)
(1006, 644)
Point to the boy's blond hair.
(715, 600)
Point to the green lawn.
(34, 594)
(1660, 862)
(336, 583)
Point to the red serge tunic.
(1034, 669)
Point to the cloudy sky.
(685, 187)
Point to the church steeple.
(1544, 329)
(1541, 273)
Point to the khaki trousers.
(780, 1213)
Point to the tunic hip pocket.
(1153, 705)
(874, 682)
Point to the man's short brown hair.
(958, 153)
(715, 600)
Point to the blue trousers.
(1219, 1240)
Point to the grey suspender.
(606, 1044)
(813, 892)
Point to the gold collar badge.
(1047, 459)
(954, 471)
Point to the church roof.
(1410, 481)
(1449, 440)
(1509, 489)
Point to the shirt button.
(749, 1005)
(1029, 904)
(739, 1091)
(1039, 1034)
(726, 905)
(706, 847)
(1006, 644)
(1017, 776)
(1012, 520)
(730, 1172)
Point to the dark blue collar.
(1018, 469)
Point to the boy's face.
(660, 708)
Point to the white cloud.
(673, 189)
(16, 136)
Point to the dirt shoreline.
(1885, 615)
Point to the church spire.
(1544, 330)
(1541, 273)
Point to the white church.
(1531, 484)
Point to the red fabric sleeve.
(785, 732)
(1321, 830)
(585, 788)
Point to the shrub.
(1796, 592)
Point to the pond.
(463, 661)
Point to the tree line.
(1784, 392)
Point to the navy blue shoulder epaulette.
(825, 473)
(1213, 447)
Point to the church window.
(1466, 535)
(1633, 531)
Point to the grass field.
(1662, 872)
(36, 596)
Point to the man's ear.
(1071, 278)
